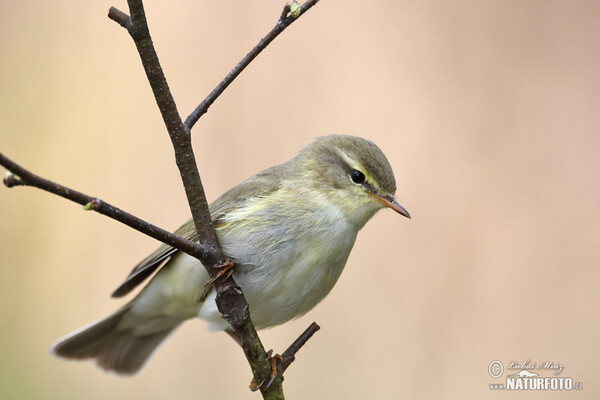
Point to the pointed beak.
(390, 201)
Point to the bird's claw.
(254, 386)
(225, 269)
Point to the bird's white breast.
(293, 273)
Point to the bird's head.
(352, 173)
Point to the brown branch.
(285, 20)
(120, 17)
(19, 176)
(184, 155)
(289, 355)
(230, 299)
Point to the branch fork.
(230, 299)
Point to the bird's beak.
(390, 201)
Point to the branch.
(19, 176)
(291, 12)
(230, 299)
(289, 355)
(137, 27)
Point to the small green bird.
(289, 230)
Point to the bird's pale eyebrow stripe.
(350, 162)
(368, 184)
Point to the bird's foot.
(226, 268)
(254, 386)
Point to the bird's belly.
(287, 282)
(291, 294)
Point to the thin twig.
(285, 20)
(19, 176)
(120, 17)
(289, 355)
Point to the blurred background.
(489, 113)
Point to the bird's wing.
(258, 185)
(148, 265)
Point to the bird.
(289, 230)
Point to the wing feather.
(148, 265)
(258, 185)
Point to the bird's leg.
(225, 269)
(274, 360)
(254, 386)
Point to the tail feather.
(121, 351)
(126, 353)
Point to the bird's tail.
(120, 350)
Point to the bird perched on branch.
(289, 230)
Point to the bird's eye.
(357, 176)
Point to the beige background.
(488, 111)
